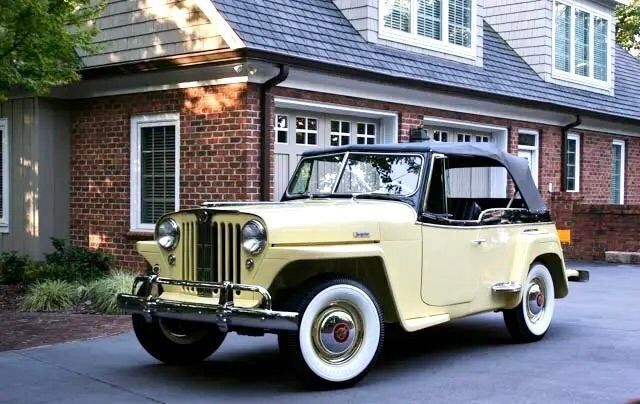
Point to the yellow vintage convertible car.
(412, 234)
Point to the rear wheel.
(177, 342)
(340, 336)
(530, 320)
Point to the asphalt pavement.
(590, 355)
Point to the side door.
(452, 253)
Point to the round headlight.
(168, 234)
(254, 237)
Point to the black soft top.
(479, 154)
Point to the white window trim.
(443, 45)
(4, 221)
(138, 122)
(535, 148)
(621, 143)
(571, 76)
(576, 137)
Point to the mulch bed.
(25, 330)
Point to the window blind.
(397, 14)
(601, 27)
(430, 18)
(460, 22)
(616, 173)
(158, 172)
(563, 36)
(581, 59)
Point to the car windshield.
(357, 173)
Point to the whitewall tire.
(340, 336)
(531, 319)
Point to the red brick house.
(195, 100)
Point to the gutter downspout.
(563, 150)
(265, 156)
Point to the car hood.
(321, 221)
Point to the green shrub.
(51, 295)
(80, 263)
(12, 267)
(102, 293)
(40, 271)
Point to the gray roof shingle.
(316, 30)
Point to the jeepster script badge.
(361, 234)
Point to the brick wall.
(219, 158)
(220, 155)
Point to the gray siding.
(54, 138)
(527, 25)
(363, 15)
(38, 175)
(141, 29)
(23, 176)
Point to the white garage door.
(481, 182)
(298, 131)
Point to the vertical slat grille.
(212, 252)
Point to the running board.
(506, 287)
(414, 324)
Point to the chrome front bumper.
(144, 300)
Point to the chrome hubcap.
(337, 332)
(535, 300)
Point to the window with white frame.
(306, 130)
(4, 176)
(572, 163)
(617, 172)
(340, 133)
(581, 44)
(365, 133)
(155, 141)
(443, 25)
(528, 150)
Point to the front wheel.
(177, 342)
(530, 320)
(340, 336)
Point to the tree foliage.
(39, 40)
(628, 26)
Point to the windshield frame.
(333, 192)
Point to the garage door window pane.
(340, 133)
(282, 129)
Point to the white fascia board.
(376, 90)
(228, 34)
(151, 81)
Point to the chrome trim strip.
(224, 314)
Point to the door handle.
(479, 241)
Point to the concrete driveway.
(591, 354)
